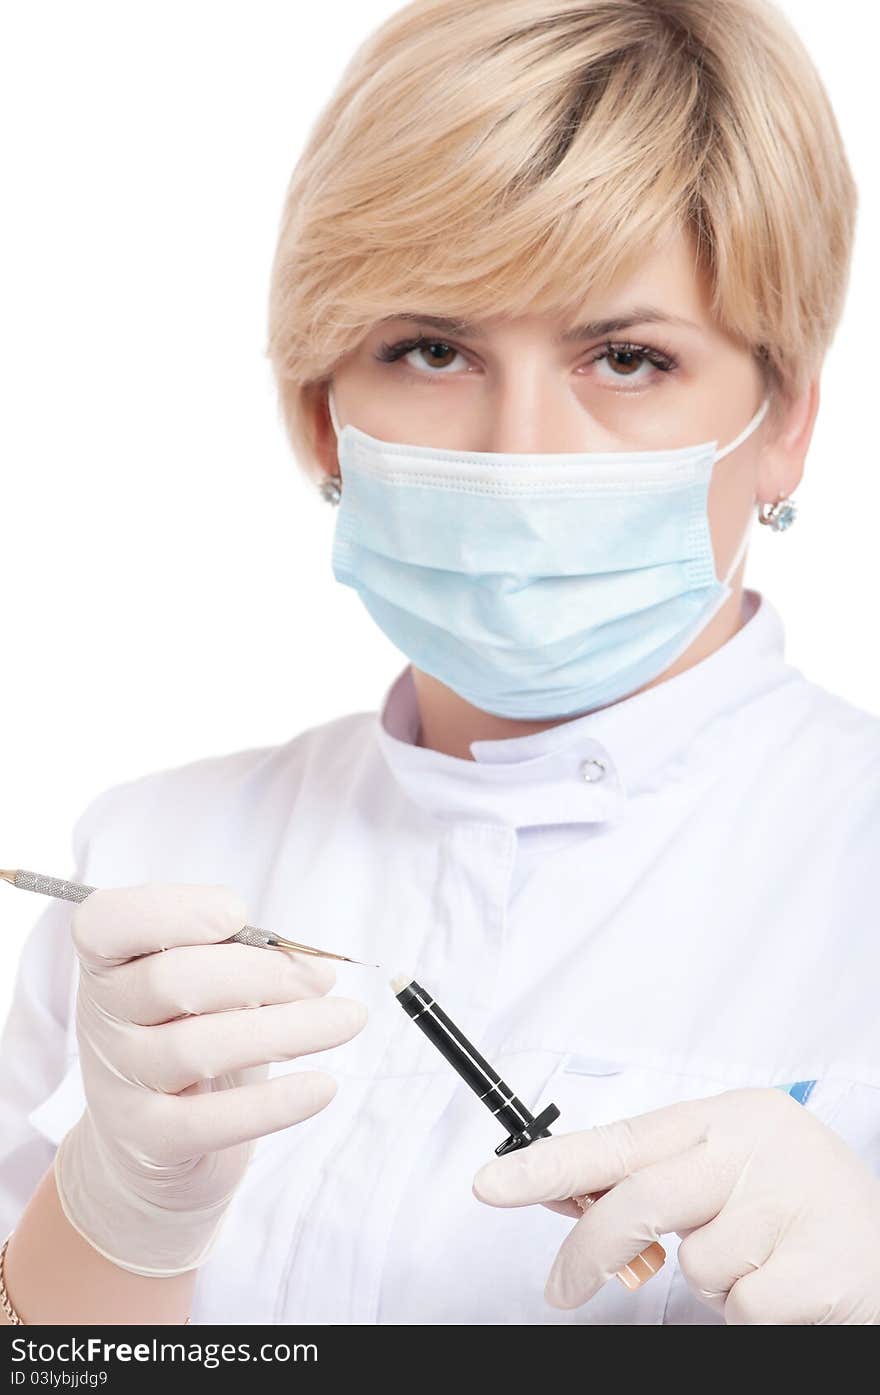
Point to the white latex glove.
(176, 1032)
(781, 1218)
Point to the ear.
(324, 432)
(782, 458)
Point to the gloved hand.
(781, 1218)
(176, 1032)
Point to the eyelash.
(661, 359)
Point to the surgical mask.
(535, 586)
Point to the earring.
(779, 515)
(331, 488)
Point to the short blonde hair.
(503, 157)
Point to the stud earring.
(331, 488)
(779, 515)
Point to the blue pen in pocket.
(800, 1090)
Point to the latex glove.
(176, 1032)
(781, 1218)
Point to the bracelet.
(6, 1302)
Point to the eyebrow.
(594, 329)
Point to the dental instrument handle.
(247, 935)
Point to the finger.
(686, 1190)
(564, 1208)
(571, 1208)
(196, 979)
(176, 1054)
(114, 924)
(589, 1160)
(715, 1256)
(782, 1291)
(222, 1118)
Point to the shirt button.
(593, 770)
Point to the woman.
(551, 297)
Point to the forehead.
(665, 286)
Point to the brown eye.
(627, 360)
(433, 353)
(439, 355)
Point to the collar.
(585, 770)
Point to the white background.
(165, 566)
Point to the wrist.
(112, 1214)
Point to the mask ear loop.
(740, 551)
(746, 431)
(719, 455)
(333, 417)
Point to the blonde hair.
(503, 157)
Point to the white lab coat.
(703, 916)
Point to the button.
(593, 770)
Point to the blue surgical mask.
(535, 586)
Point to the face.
(651, 370)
